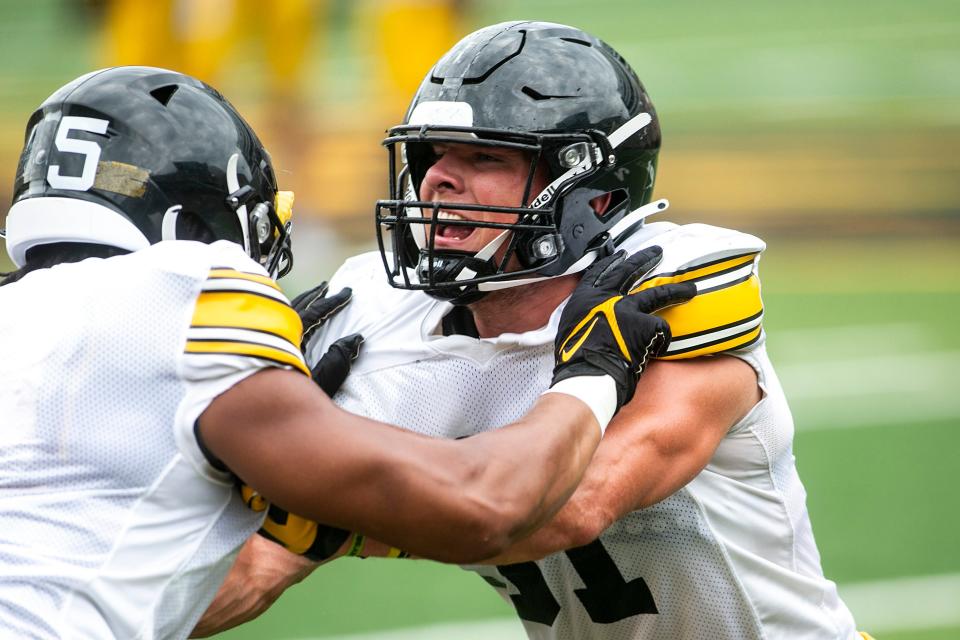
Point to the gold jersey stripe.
(727, 344)
(233, 274)
(742, 323)
(247, 349)
(715, 309)
(246, 310)
(697, 273)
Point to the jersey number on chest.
(606, 596)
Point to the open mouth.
(453, 232)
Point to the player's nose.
(443, 176)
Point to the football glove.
(298, 535)
(605, 330)
(315, 308)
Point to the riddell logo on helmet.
(544, 197)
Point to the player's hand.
(315, 308)
(260, 574)
(332, 369)
(605, 330)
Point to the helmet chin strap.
(624, 225)
(485, 254)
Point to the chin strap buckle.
(603, 245)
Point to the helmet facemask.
(524, 247)
(575, 105)
(577, 163)
(265, 224)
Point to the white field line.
(905, 604)
(866, 375)
(874, 374)
(849, 340)
(885, 606)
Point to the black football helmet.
(130, 156)
(566, 99)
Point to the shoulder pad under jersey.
(727, 312)
(242, 315)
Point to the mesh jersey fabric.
(115, 524)
(729, 556)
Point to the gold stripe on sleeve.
(224, 273)
(715, 309)
(704, 322)
(248, 349)
(244, 310)
(734, 342)
(697, 273)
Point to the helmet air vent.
(536, 95)
(163, 94)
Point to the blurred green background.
(831, 129)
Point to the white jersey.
(115, 525)
(730, 556)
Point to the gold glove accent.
(605, 308)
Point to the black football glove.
(315, 308)
(605, 330)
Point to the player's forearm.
(475, 496)
(579, 521)
(490, 490)
(542, 467)
(654, 446)
(262, 572)
(551, 538)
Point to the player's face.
(469, 174)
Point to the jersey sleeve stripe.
(241, 286)
(245, 314)
(715, 284)
(717, 308)
(232, 334)
(246, 310)
(243, 337)
(702, 272)
(718, 265)
(726, 316)
(247, 349)
(218, 273)
(717, 346)
(752, 321)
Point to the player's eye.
(437, 150)
(482, 156)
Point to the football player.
(528, 153)
(150, 360)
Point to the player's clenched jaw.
(471, 174)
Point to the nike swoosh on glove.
(605, 330)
